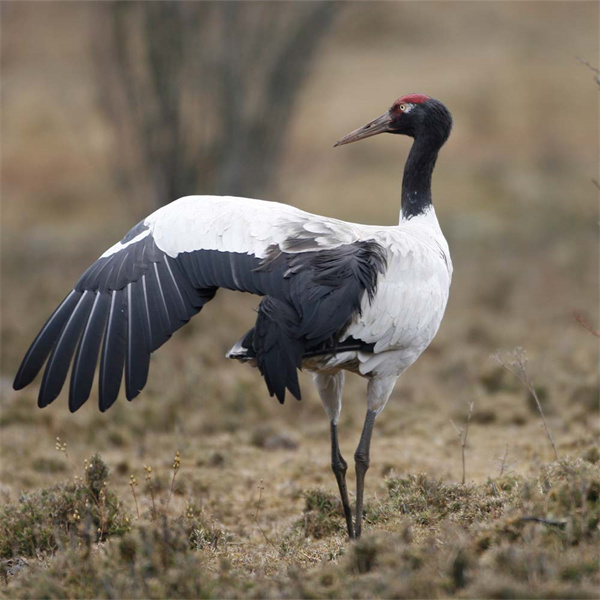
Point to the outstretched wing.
(144, 288)
(126, 305)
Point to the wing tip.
(18, 384)
(132, 395)
(73, 408)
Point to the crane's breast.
(408, 306)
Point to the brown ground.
(514, 196)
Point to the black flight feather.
(42, 345)
(60, 358)
(113, 351)
(138, 347)
(86, 359)
(159, 318)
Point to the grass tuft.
(42, 522)
(429, 501)
(322, 515)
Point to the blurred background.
(111, 109)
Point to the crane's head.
(414, 115)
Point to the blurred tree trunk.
(200, 94)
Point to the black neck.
(416, 184)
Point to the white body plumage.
(411, 295)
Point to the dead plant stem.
(518, 367)
(462, 436)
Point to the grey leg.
(340, 466)
(361, 459)
(330, 388)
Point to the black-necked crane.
(337, 296)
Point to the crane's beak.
(378, 125)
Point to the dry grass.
(508, 537)
(514, 196)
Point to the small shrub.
(41, 521)
(592, 454)
(364, 554)
(561, 506)
(203, 532)
(429, 501)
(153, 560)
(322, 515)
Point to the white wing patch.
(243, 225)
(120, 245)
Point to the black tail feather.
(278, 349)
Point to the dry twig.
(132, 484)
(584, 323)
(150, 484)
(518, 367)
(503, 462)
(548, 522)
(593, 69)
(462, 436)
(261, 487)
(176, 467)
